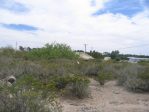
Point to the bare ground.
(109, 98)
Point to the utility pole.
(16, 46)
(85, 45)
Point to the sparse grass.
(80, 86)
(91, 70)
(134, 77)
(28, 94)
(132, 70)
(44, 73)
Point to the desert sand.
(107, 98)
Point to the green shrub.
(27, 102)
(78, 85)
(145, 74)
(61, 81)
(102, 77)
(52, 51)
(28, 94)
(7, 51)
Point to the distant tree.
(28, 49)
(96, 54)
(106, 54)
(21, 48)
(115, 54)
(79, 51)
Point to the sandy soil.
(109, 98)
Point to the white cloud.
(70, 21)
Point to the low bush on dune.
(107, 72)
(91, 70)
(77, 85)
(127, 72)
(103, 77)
(139, 82)
(28, 94)
(80, 86)
(136, 84)
(27, 102)
(134, 78)
(61, 81)
(7, 51)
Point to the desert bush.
(28, 95)
(136, 84)
(103, 77)
(25, 103)
(7, 51)
(6, 60)
(31, 68)
(80, 86)
(112, 68)
(18, 68)
(61, 81)
(77, 85)
(128, 72)
(91, 70)
(135, 78)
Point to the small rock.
(74, 104)
(116, 92)
(88, 109)
(11, 79)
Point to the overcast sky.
(104, 25)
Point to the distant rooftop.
(137, 58)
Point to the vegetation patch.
(52, 51)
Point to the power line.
(130, 47)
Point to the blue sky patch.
(13, 6)
(146, 3)
(125, 7)
(19, 27)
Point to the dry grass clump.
(92, 70)
(77, 85)
(80, 86)
(28, 94)
(24, 103)
(127, 72)
(135, 78)
(103, 77)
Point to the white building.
(136, 60)
(107, 58)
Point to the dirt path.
(109, 98)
